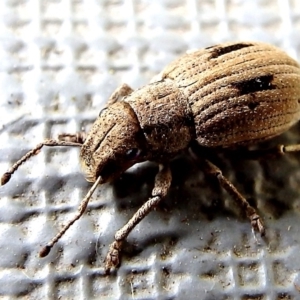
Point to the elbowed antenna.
(81, 209)
(51, 143)
(71, 140)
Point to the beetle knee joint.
(281, 149)
(218, 174)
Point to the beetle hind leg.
(270, 153)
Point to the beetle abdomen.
(239, 93)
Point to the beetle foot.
(113, 256)
(257, 224)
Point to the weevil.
(224, 96)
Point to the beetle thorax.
(164, 116)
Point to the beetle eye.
(133, 153)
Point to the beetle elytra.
(222, 96)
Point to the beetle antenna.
(51, 143)
(81, 209)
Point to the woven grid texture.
(59, 62)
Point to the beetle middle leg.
(209, 168)
(161, 187)
(251, 213)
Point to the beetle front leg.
(161, 187)
(79, 137)
(119, 93)
(251, 213)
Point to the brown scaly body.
(238, 93)
(221, 96)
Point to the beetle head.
(114, 144)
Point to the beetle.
(227, 95)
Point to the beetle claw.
(257, 224)
(113, 256)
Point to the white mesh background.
(59, 62)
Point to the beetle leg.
(161, 186)
(119, 93)
(51, 143)
(289, 148)
(251, 213)
(279, 150)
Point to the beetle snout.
(114, 143)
